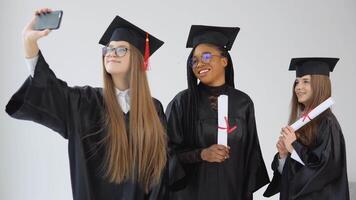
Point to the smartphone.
(50, 20)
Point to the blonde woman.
(116, 136)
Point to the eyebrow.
(303, 79)
(202, 53)
(120, 46)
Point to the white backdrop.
(34, 160)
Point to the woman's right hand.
(215, 153)
(282, 150)
(31, 36)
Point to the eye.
(106, 50)
(206, 56)
(193, 61)
(120, 50)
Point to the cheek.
(125, 63)
(195, 72)
(218, 69)
(309, 89)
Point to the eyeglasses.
(205, 58)
(119, 51)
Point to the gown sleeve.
(47, 100)
(160, 192)
(179, 154)
(275, 185)
(324, 163)
(255, 166)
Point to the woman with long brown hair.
(311, 163)
(116, 135)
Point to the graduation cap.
(220, 36)
(313, 65)
(122, 30)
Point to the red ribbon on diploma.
(229, 129)
(306, 115)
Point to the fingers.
(45, 32)
(221, 150)
(285, 130)
(218, 153)
(43, 11)
(217, 157)
(291, 130)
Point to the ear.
(224, 61)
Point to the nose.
(200, 63)
(298, 86)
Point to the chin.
(205, 82)
(301, 101)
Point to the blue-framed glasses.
(204, 58)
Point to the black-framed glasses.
(119, 51)
(205, 58)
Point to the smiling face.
(303, 89)
(208, 65)
(117, 62)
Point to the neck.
(121, 82)
(217, 83)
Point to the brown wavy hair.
(321, 88)
(140, 154)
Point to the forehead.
(305, 77)
(203, 48)
(118, 43)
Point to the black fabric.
(237, 177)
(313, 66)
(122, 30)
(77, 114)
(223, 37)
(324, 175)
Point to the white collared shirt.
(123, 97)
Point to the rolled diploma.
(304, 120)
(222, 113)
(312, 114)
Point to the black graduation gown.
(324, 175)
(235, 178)
(77, 114)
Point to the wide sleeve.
(275, 185)
(47, 100)
(160, 191)
(181, 154)
(323, 163)
(175, 139)
(255, 168)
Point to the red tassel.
(147, 53)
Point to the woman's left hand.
(289, 137)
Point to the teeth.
(203, 71)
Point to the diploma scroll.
(222, 117)
(312, 114)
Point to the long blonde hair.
(321, 88)
(139, 155)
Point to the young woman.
(311, 163)
(199, 167)
(116, 139)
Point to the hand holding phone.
(31, 35)
(48, 20)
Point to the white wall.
(33, 159)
